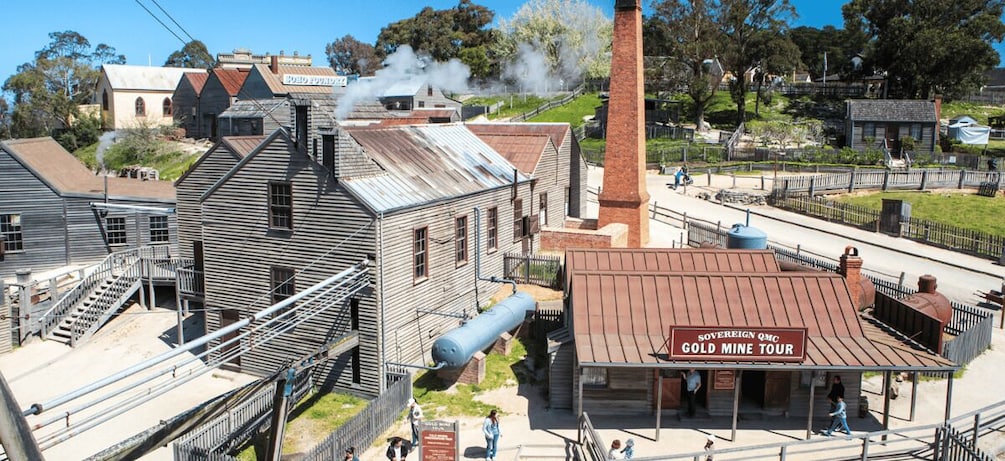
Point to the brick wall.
(611, 236)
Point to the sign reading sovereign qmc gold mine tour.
(742, 344)
(439, 441)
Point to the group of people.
(616, 452)
(398, 450)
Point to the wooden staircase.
(80, 312)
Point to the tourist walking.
(837, 391)
(840, 415)
(490, 428)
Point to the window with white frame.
(115, 229)
(10, 232)
(461, 240)
(159, 229)
(594, 377)
(420, 254)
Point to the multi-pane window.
(104, 99)
(115, 229)
(420, 252)
(141, 107)
(493, 229)
(461, 240)
(159, 229)
(916, 131)
(283, 285)
(280, 205)
(166, 107)
(10, 232)
(594, 377)
(868, 131)
(542, 211)
(518, 231)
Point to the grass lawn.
(976, 110)
(513, 104)
(438, 399)
(312, 420)
(964, 209)
(573, 113)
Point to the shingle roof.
(243, 145)
(894, 110)
(275, 81)
(426, 163)
(622, 314)
(65, 174)
(362, 109)
(231, 79)
(995, 78)
(197, 80)
(126, 77)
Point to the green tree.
(441, 34)
(47, 91)
(193, 55)
(351, 56)
(929, 46)
(686, 35)
(573, 36)
(755, 40)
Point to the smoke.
(404, 66)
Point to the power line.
(152, 15)
(172, 20)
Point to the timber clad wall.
(41, 210)
(629, 390)
(189, 190)
(186, 108)
(213, 101)
(58, 231)
(240, 249)
(449, 288)
(577, 178)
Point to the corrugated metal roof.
(275, 81)
(197, 80)
(409, 86)
(362, 109)
(436, 112)
(231, 79)
(64, 173)
(514, 141)
(623, 316)
(426, 163)
(126, 77)
(243, 145)
(893, 110)
(671, 260)
(254, 108)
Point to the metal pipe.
(37, 408)
(423, 367)
(380, 275)
(15, 435)
(120, 206)
(478, 252)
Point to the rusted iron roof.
(195, 79)
(243, 145)
(517, 141)
(65, 174)
(621, 317)
(231, 79)
(426, 163)
(671, 260)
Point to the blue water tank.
(456, 347)
(746, 238)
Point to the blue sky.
(262, 26)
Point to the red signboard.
(741, 344)
(439, 441)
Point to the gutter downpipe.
(478, 255)
(37, 408)
(380, 276)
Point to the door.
(672, 385)
(777, 388)
(228, 317)
(892, 137)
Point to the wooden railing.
(550, 105)
(113, 265)
(190, 282)
(127, 278)
(916, 179)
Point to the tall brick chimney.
(938, 115)
(274, 64)
(624, 198)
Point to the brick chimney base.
(635, 215)
(472, 373)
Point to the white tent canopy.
(968, 131)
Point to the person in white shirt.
(414, 418)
